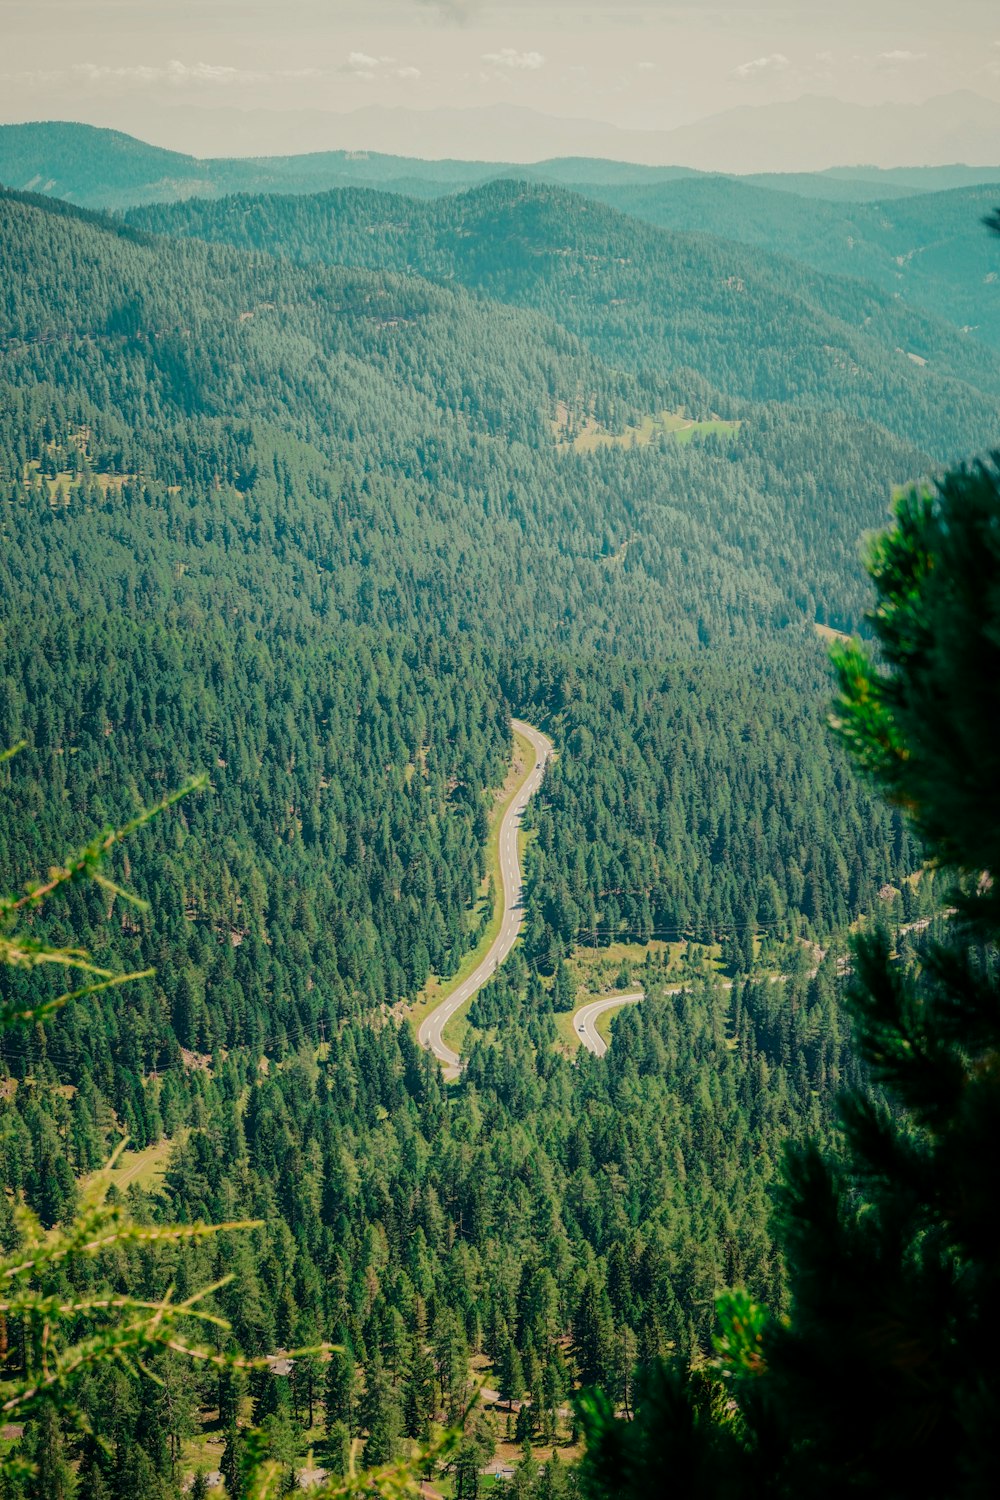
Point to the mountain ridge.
(625, 287)
(949, 131)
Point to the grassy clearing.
(827, 633)
(599, 972)
(569, 1039)
(588, 436)
(145, 1169)
(604, 970)
(457, 1029)
(437, 989)
(65, 484)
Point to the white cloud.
(509, 57)
(901, 54)
(174, 72)
(363, 65)
(774, 62)
(646, 67)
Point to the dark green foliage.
(388, 446)
(382, 1416)
(679, 1444)
(341, 1387)
(45, 1448)
(883, 1378)
(651, 825)
(926, 730)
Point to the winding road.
(585, 1020)
(431, 1033)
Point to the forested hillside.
(318, 530)
(929, 248)
(755, 326)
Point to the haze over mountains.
(101, 168)
(808, 134)
(915, 233)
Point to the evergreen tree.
(418, 1395)
(340, 1402)
(45, 1448)
(382, 1417)
(339, 1448)
(231, 1463)
(466, 1470)
(593, 1346)
(563, 990)
(509, 1370)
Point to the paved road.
(585, 1020)
(431, 1032)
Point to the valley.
(482, 538)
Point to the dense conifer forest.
(313, 494)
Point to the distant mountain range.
(809, 134)
(100, 168)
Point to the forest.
(313, 494)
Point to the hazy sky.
(641, 63)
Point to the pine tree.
(338, 1447)
(418, 1394)
(509, 1370)
(382, 1417)
(593, 1346)
(563, 989)
(524, 1427)
(341, 1386)
(230, 1465)
(466, 1469)
(45, 1448)
(231, 1391)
